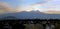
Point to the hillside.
(31, 15)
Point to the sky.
(41, 5)
(26, 4)
(12, 3)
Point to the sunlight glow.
(49, 6)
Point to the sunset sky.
(12, 3)
(41, 5)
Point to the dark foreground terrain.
(29, 24)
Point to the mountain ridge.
(31, 15)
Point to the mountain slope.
(31, 15)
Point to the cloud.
(44, 6)
(5, 6)
(52, 5)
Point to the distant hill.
(31, 15)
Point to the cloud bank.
(5, 8)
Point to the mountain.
(30, 15)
